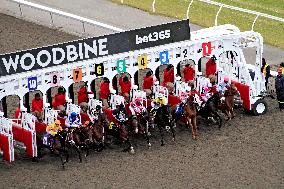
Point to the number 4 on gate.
(142, 61)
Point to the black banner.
(90, 48)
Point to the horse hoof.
(173, 139)
(194, 137)
(132, 150)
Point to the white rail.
(52, 12)
(221, 5)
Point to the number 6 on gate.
(142, 61)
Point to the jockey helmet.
(160, 95)
(73, 114)
(98, 107)
(279, 70)
(226, 79)
(57, 122)
(121, 106)
(209, 85)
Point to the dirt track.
(247, 152)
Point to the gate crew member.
(37, 106)
(265, 69)
(104, 91)
(188, 72)
(59, 99)
(282, 66)
(279, 86)
(125, 85)
(148, 83)
(83, 98)
(169, 78)
(211, 66)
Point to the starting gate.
(24, 131)
(6, 139)
(116, 100)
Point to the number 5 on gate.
(142, 61)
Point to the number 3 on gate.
(164, 57)
(32, 83)
(142, 61)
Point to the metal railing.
(221, 6)
(54, 15)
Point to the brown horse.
(190, 113)
(227, 105)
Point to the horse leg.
(162, 135)
(147, 134)
(189, 124)
(173, 131)
(194, 123)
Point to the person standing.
(59, 99)
(104, 91)
(211, 66)
(188, 73)
(37, 106)
(169, 78)
(265, 69)
(148, 83)
(125, 85)
(279, 86)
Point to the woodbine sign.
(95, 47)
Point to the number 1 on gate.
(142, 61)
(164, 57)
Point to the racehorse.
(190, 113)
(162, 118)
(210, 109)
(227, 105)
(57, 146)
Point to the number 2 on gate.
(142, 62)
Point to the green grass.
(204, 15)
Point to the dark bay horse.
(210, 109)
(163, 120)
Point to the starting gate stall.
(24, 132)
(93, 103)
(73, 108)
(107, 56)
(201, 81)
(158, 89)
(135, 93)
(6, 138)
(115, 100)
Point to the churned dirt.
(247, 152)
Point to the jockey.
(207, 92)
(120, 114)
(73, 120)
(222, 87)
(53, 128)
(95, 113)
(158, 102)
(51, 131)
(136, 107)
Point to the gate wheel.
(259, 107)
